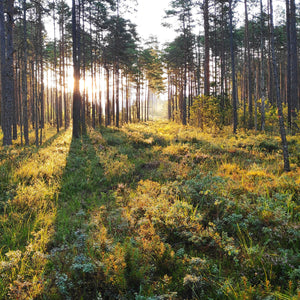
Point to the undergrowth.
(150, 211)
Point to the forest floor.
(150, 211)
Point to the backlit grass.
(28, 213)
(150, 211)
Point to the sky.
(149, 17)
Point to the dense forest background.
(219, 70)
(133, 169)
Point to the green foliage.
(210, 112)
(150, 211)
(271, 117)
(152, 61)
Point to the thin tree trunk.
(279, 104)
(84, 100)
(93, 73)
(234, 98)
(15, 105)
(55, 73)
(294, 66)
(256, 94)
(107, 108)
(117, 94)
(206, 50)
(42, 99)
(248, 62)
(127, 100)
(169, 97)
(138, 96)
(113, 96)
(41, 65)
(36, 102)
(3, 63)
(183, 104)
(64, 75)
(262, 68)
(76, 67)
(7, 70)
(20, 96)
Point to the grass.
(150, 211)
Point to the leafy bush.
(211, 112)
(150, 211)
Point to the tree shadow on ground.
(82, 187)
(85, 186)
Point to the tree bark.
(234, 98)
(7, 70)
(262, 68)
(206, 49)
(288, 63)
(294, 66)
(279, 104)
(107, 105)
(249, 73)
(117, 95)
(3, 61)
(76, 67)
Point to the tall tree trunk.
(113, 96)
(15, 105)
(48, 98)
(100, 100)
(84, 100)
(7, 70)
(117, 94)
(76, 67)
(55, 72)
(93, 72)
(256, 68)
(10, 65)
(234, 98)
(18, 93)
(3, 62)
(183, 98)
(223, 57)
(169, 97)
(148, 103)
(262, 68)
(42, 100)
(206, 49)
(66, 115)
(279, 104)
(36, 101)
(41, 66)
(60, 83)
(271, 86)
(249, 73)
(107, 105)
(93, 98)
(294, 66)
(145, 100)
(32, 91)
(138, 99)
(127, 101)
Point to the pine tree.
(233, 92)
(7, 69)
(76, 67)
(278, 99)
